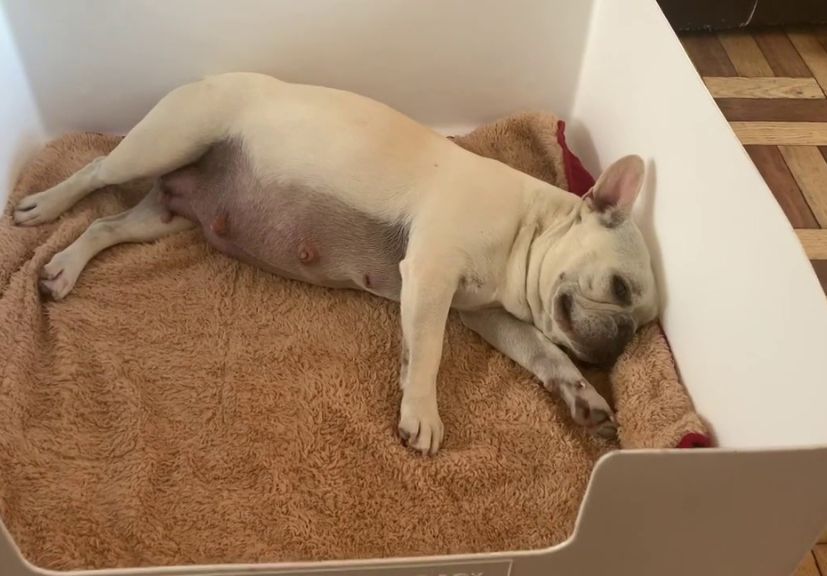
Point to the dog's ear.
(615, 191)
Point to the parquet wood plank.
(815, 244)
(782, 133)
(809, 169)
(745, 55)
(781, 54)
(707, 54)
(773, 168)
(812, 52)
(773, 110)
(739, 87)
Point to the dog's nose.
(625, 331)
(613, 348)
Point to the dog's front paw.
(420, 426)
(58, 277)
(600, 421)
(591, 410)
(588, 408)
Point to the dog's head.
(597, 281)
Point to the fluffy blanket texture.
(180, 407)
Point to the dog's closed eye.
(620, 290)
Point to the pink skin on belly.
(219, 225)
(292, 231)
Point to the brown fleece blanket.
(180, 407)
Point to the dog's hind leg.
(175, 132)
(148, 220)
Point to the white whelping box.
(742, 309)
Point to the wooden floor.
(771, 86)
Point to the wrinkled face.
(597, 281)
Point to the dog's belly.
(286, 229)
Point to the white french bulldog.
(336, 189)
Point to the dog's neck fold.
(550, 213)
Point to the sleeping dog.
(339, 190)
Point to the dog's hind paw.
(58, 277)
(38, 208)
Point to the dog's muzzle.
(597, 335)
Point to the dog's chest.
(286, 229)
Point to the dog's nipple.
(307, 253)
(219, 225)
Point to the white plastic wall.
(22, 131)
(101, 64)
(744, 313)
